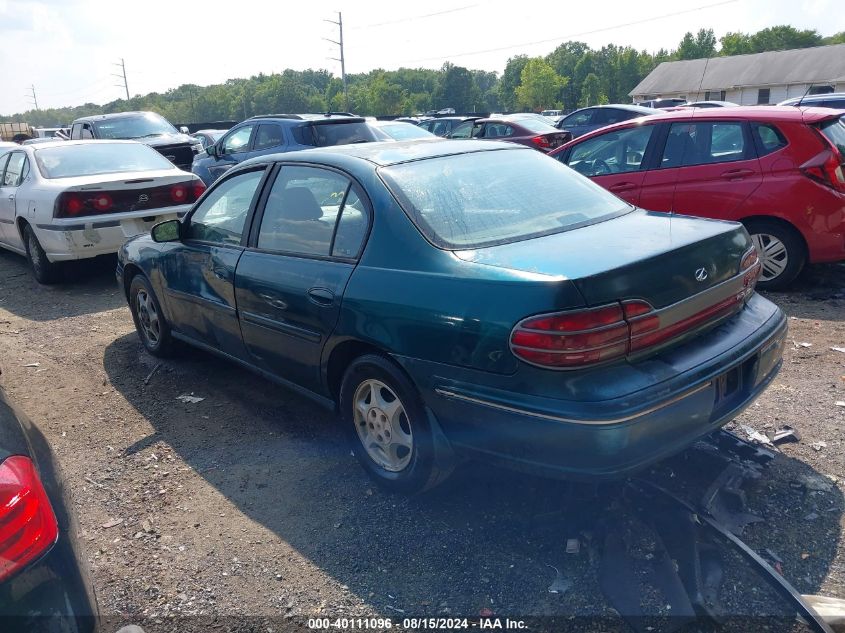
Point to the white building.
(760, 78)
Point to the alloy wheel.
(382, 425)
(148, 317)
(773, 254)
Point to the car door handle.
(12, 197)
(273, 300)
(737, 174)
(321, 296)
(622, 186)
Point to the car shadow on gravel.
(489, 540)
(93, 278)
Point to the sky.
(70, 50)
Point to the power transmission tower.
(341, 59)
(123, 75)
(32, 96)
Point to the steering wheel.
(600, 168)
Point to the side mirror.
(211, 150)
(184, 129)
(167, 231)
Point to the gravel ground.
(248, 502)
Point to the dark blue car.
(464, 298)
(274, 133)
(588, 119)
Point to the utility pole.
(32, 96)
(341, 59)
(125, 84)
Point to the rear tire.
(150, 322)
(389, 428)
(45, 271)
(782, 253)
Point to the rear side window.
(612, 153)
(301, 211)
(497, 130)
(834, 131)
(336, 133)
(268, 135)
(704, 143)
(767, 138)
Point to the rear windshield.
(493, 197)
(136, 126)
(405, 131)
(536, 125)
(835, 133)
(89, 159)
(326, 134)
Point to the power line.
(342, 59)
(416, 17)
(571, 35)
(125, 83)
(32, 96)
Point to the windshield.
(405, 131)
(89, 159)
(135, 126)
(835, 133)
(484, 198)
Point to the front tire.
(45, 271)
(781, 250)
(150, 322)
(388, 426)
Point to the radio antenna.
(801, 100)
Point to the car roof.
(811, 98)
(113, 115)
(386, 153)
(307, 116)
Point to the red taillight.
(28, 525)
(73, 205)
(572, 339)
(199, 189)
(101, 202)
(752, 268)
(541, 142)
(826, 168)
(179, 193)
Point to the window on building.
(820, 90)
(763, 96)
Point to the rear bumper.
(622, 434)
(65, 240)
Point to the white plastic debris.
(189, 398)
(755, 436)
(802, 344)
(819, 445)
(32, 365)
(838, 349)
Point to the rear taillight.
(28, 525)
(826, 168)
(541, 141)
(199, 189)
(74, 204)
(751, 267)
(572, 339)
(179, 193)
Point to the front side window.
(268, 135)
(301, 211)
(578, 118)
(612, 153)
(467, 129)
(479, 199)
(703, 143)
(237, 141)
(14, 174)
(221, 216)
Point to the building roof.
(821, 65)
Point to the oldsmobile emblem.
(701, 274)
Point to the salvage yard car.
(525, 129)
(67, 200)
(777, 170)
(454, 298)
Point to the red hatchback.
(778, 170)
(525, 129)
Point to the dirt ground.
(249, 503)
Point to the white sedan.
(70, 200)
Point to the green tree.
(386, 97)
(456, 89)
(591, 93)
(702, 44)
(511, 79)
(539, 85)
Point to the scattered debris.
(151, 374)
(146, 526)
(189, 398)
(725, 500)
(397, 609)
(785, 434)
(773, 556)
(573, 546)
(801, 344)
(815, 482)
(560, 584)
(840, 403)
(838, 349)
(811, 517)
(819, 445)
(33, 365)
(112, 523)
(755, 436)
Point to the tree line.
(573, 75)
